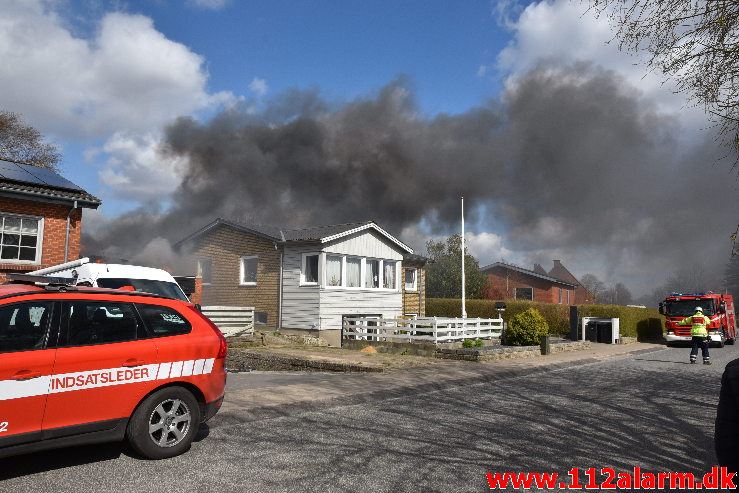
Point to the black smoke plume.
(570, 161)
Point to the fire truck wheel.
(722, 339)
(164, 424)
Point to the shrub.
(479, 343)
(467, 343)
(526, 328)
(643, 323)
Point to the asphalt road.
(651, 410)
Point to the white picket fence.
(231, 320)
(429, 329)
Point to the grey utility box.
(604, 330)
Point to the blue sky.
(104, 78)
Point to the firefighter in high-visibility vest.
(699, 334)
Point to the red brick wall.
(55, 227)
(503, 284)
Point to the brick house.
(582, 295)
(307, 280)
(510, 282)
(40, 217)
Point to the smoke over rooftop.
(571, 162)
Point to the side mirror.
(661, 308)
(723, 307)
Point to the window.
(333, 270)
(560, 295)
(568, 296)
(410, 280)
(525, 294)
(24, 326)
(249, 271)
(21, 238)
(163, 320)
(353, 272)
(205, 268)
(260, 318)
(309, 274)
(388, 274)
(372, 274)
(91, 322)
(162, 288)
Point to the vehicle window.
(162, 288)
(686, 308)
(94, 322)
(163, 320)
(24, 326)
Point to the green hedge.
(643, 323)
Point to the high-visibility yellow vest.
(698, 324)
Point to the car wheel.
(164, 424)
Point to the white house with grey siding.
(329, 272)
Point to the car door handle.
(25, 375)
(133, 362)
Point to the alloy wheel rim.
(169, 423)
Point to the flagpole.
(464, 309)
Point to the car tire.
(164, 424)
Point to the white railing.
(231, 320)
(430, 329)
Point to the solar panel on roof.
(12, 171)
(52, 178)
(34, 174)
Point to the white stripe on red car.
(67, 382)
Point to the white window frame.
(242, 282)
(415, 279)
(568, 296)
(39, 239)
(303, 264)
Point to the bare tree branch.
(22, 143)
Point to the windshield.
(686, 308)
(162, 288)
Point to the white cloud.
(209, 4)
(488, 248)
(128, 77)
(562, 31)
(136, 170)
(258, 86)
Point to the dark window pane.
(163, 320)
(24, 326)
(28, 240)
(28, 253)
(11, 239)
(10, 253)
(524, 293)
(250, 269)
(311, 268)
(100, 323)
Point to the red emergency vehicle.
(718, 307)
(89, 365)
